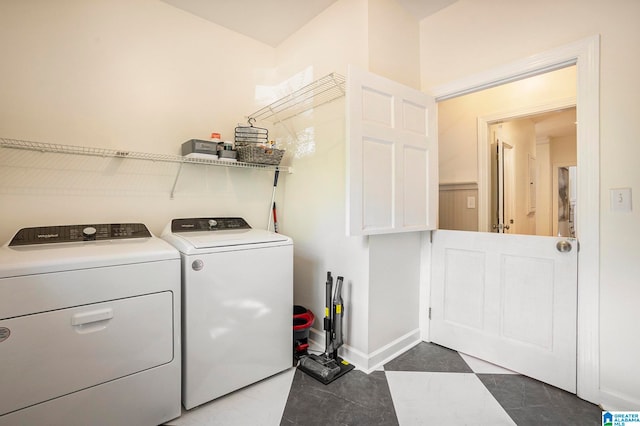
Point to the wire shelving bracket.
(319, 92)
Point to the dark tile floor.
(530, 402)
(354, 399)
(427, 385)
(360, 399)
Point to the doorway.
(502, 185)
(544, 141)
(585, 55)
(533, 116)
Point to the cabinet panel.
(416, 118)
(415, 188)
(377, 107)
(377, 166)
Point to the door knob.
(563, 246)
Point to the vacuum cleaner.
(329, 366)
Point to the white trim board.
(585, 54)
(375, 360)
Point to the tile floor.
(427, 385)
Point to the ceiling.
(273, 21)
(556, 124)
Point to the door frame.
(585, 54)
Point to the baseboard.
(612, 401)
(375, 360)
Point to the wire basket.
(250, 134)
(259, 155)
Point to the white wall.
(544, 188)
(394, 40)
(563, 150)
(394, 287)
(314, 196)
(456, 42)
(138, 75)
(335, 38)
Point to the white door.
(392, 158)
(507, 299)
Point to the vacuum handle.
(328, 326)
(337, 316)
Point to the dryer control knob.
(89, 233)
(212, 223)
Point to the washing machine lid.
(202, 233)
(49, 249)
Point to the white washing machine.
(237, 289)
(89, 327)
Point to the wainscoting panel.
(459, 206)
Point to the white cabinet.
(392, 156)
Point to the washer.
(89, 327)
(237, 289)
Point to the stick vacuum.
(329, 366)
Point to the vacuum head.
(323, 368)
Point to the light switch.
(620, 199)
(471, 202)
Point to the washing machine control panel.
(208, 224)
(74, 233)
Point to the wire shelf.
(322, 91)
(101, 152)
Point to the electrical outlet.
(620, 199)
(471, 202)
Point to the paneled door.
(507, 299)
(392, 158)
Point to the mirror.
(506, 157)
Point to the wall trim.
(613, 401)
(585, 54)
(458, 186)
(375, 360)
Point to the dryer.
(237, 288)
(89, 327)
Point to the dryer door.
(54, 353)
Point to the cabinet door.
(392, 156)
